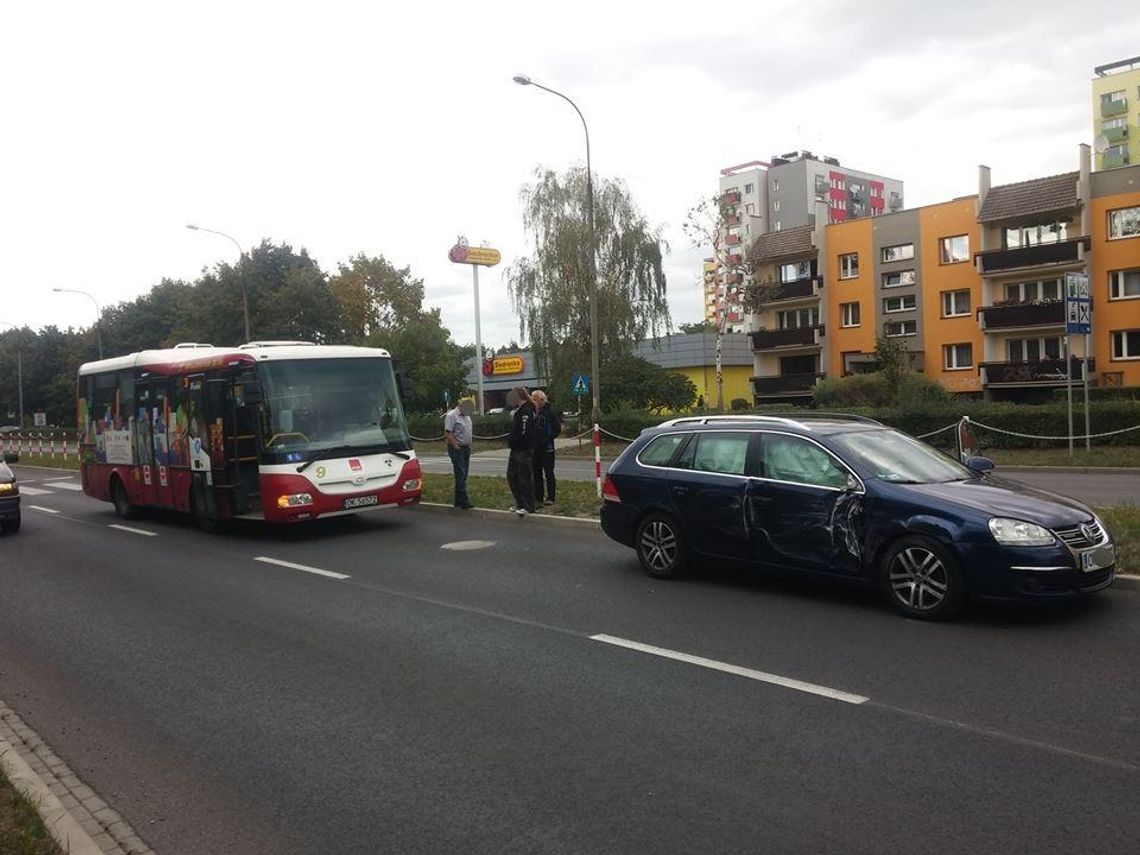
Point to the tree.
(891, 356)
(551, 288)
(633, 382)
(706, 225)
(701, 327)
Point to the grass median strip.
(575, 498)
(22, 831)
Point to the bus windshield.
(330, 408)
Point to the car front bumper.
(9, 507)
(1033, 573)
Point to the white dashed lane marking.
(277, 561)
(761, 676)
(127, 528)
(66, 485)
(33, 491)
(42, 508)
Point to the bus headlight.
(294, 500)
(413, 484)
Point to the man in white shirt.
(457, 430)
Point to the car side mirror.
(980, 464)
(11, 457)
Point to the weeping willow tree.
(551, 289)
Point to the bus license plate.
(1098, 559)
(360, 502)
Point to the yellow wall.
(1129, 81)
(939, 221)
(844, 238)
(1108, 315)
(737, 382)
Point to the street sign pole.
(478, 340)
(1088, 440)
(1078, 320)
(1069, 387)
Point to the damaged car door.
(805, 510)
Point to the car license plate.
(1099, 558)
(360, 502)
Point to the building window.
(776, 205)
(775, 183)
(954, 250)
(899, 278)
(749, 208)
(1118, 95)
(849, 265)
(955, 357)
(748, 188)
(1118, 122)
(849, 314)
(777, 225)
(899, 304)
(1043, 291)
(897, 329)
(1124, 284)
(1051, 232)
(1126, 344)
(794, 319)
(1034, 349)
(795, 271)
(900, 252)
(955, 304)
(1124, 223)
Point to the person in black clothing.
(520, 465)
(548, 422)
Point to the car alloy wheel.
(660, 547)
(922, 579)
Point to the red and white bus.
(279, 431)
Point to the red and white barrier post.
(598, 457)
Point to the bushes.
(856, 390)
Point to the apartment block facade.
(1116, 113)
(972, 287)
(761, 197)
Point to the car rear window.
(659, 451)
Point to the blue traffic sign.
(580, 384)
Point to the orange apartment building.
(973, 288)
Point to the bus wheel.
(203, 517)
(121, 500)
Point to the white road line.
(33, 491)
(42, 508)
(265, 560)
(142, 531)
(763, 677)
(61, 478)
(66, 485)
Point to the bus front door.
(154, 445)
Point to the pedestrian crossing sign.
(580, 384)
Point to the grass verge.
(47, 460)
(22, 831)
(1124, 523)
(575, 498)
(1109, 456)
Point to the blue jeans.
(460, 463)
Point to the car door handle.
(680, 491)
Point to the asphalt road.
(461, 700)
(1094, 487)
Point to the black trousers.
(544, 469)
(520, 478)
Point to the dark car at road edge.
(9, 497)
(848, 497)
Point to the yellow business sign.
(461, 253)
(507, 365)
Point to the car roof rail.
(744, 418)
(821, 414)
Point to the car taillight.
(609, 491)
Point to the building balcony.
(800, 289)
(1115, 135)
(999, 260)
(732, 220)
(730, 199)
(785, 385)
(1113, 106)
(1113, 160)
(734, 278)
(1016, 315)
(1043, 372)
(732, 240)
(735, 258)
(794, 337)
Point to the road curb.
(66, 830)
(1127, 580)
(1082, 470)
(491, 514)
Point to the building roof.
(695, 350)
(1039, 196)
(793, 241)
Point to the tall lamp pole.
(20, 372)
(241, 255)
(98, 314)
(523, 80)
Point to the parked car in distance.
(10, 429)
(849, 497)
(9, 497)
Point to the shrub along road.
(485, 686)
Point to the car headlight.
(9, 487)
(1019, 533)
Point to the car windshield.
(328, 406)
(892, 456)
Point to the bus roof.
(201, 357)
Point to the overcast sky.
(363, 127)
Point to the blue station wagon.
(849, 497)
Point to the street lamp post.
(523, 80)
(98, 314)
(20, 372)
(241, 278)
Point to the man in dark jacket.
(549, 423)
(520, 465)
